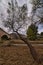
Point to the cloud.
(40, 28)
(3, 9)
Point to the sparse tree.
(16, 19)
(37, 4)
(17, 16)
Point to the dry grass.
(18, 55)
(19, 42)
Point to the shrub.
(32, 32)
(41, 33)
(4, 37)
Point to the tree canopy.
(32, 32)
(37, 5)
(17, 16)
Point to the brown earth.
(18, 55)
(20, 42)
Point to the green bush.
(4, 37)
(32, 32)
(41, 33)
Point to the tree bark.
(32, 49)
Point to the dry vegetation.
(18, 55)
(19, 42)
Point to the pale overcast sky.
(3, 7)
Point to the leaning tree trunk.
(32, 49)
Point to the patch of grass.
(18, 55)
